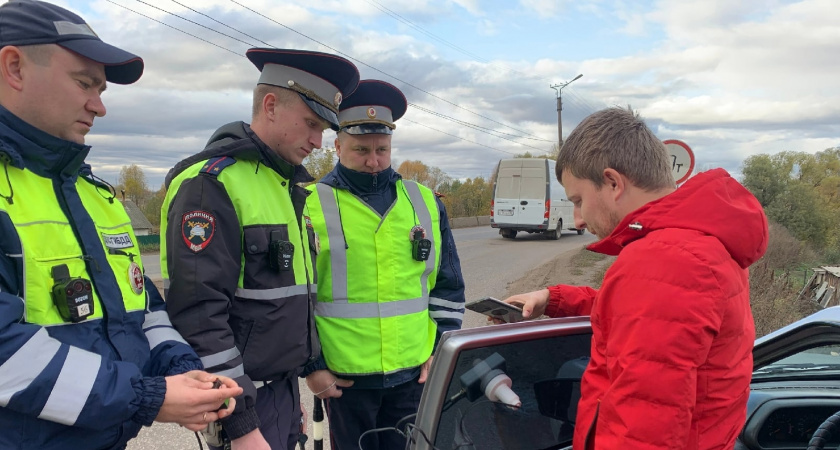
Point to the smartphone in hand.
(497, 309)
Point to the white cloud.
(730, 78)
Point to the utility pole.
(558, 88)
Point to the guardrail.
(466, 222)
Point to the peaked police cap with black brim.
(322, 80)
(30, 22)
(372, 109)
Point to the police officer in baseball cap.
(237, 253)
(370, 382)
(87, 353)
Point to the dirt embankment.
(578, 267)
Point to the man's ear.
(269, 103)
(11, 62)
(337, 147)
(615, 182)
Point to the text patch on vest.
(117, 241)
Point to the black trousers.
(278, 406)
(359, 410)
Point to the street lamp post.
(558, 88)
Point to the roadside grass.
(149, 248)
(584, 259)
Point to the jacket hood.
(237, 140)
(712, 203)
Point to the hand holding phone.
(497, 309)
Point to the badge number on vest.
(197, 229)
(117, 241)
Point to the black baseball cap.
(31, 22)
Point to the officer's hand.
(533, 304)
(424, 370)
(193, 402)
(324, 384)
(222, 413)
(251, 441)
(201, 375)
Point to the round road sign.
(682, 159)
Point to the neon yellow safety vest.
(282, 337)
(48, 240)
(247, 186)
(373, 297)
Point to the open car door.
(464, 402)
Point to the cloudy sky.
(730, 78)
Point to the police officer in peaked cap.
(375, 359)
(238, 258)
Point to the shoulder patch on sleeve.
(197, 229)
(214, 166)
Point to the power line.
(408, 22)
(224, 24)
(458, 137)
(472, 125)
(266, 43)
(174, 28)
(194, 22)
(378, 70)
(478, 128)
(475, 127)
(402, 19)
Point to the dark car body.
(795, 387)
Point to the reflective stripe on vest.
(373, 297)
(47, 240)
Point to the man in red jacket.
(672, 330)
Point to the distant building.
(824, 287)
(141, 225)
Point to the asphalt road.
(488, 263)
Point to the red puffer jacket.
(672, 328)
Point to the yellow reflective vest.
(373, 297)
(48, 240)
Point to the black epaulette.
(214, 166)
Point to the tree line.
(801, 192)
(462, 198)
(470, 197)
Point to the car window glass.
(545, 375)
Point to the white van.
(528, 197)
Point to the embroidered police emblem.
(337, 99)
(371, 112)
(197, 229)
(308, 221)
(135, 278)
